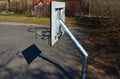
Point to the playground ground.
(62, 61)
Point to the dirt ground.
(103, 46)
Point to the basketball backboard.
(57, 12)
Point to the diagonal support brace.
(83, 53)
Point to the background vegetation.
(74, 8)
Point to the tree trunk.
(8, 4)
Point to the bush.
(106, 8)
(2, 7)
(77, 7)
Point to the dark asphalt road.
(61, 61)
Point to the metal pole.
(83, 53)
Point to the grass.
(71, 22)
(25, 19)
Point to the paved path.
(61, 61)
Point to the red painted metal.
(36, 2)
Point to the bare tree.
(77, 7)
(8, 4)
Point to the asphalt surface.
(61, 61)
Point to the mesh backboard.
(57, 12)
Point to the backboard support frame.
(58, 27)
(57, 11)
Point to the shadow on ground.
(104, 52)
(32, 52)
(57, 62)
(12, 69)
(92, 22)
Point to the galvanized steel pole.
(83, 53)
